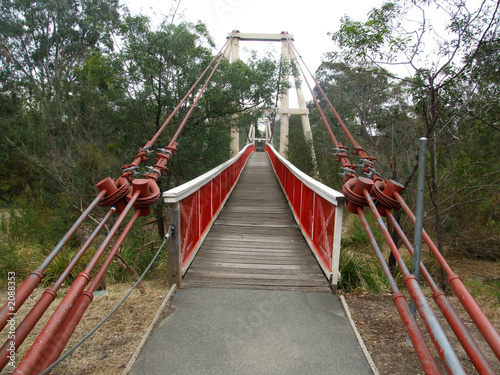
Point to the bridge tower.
(284, 110)
(260, 142)
(233, 54)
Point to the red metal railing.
(317, 209)
(199, 202)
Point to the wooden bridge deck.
(255, 242)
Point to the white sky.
(309, 21)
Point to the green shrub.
(360, 272)
(61, 261)
(357, 237)
(359, 268)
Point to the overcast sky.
(308, 20)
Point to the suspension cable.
(339, 119)
(141, 155)
(164, 157)
(367, 161)
(466, 340)
(119, 193)
(399, 300)
(32, 318)
(341, 151)
(181, 126)
(87, 336)
(29, 285)
(477, 315)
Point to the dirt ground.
(378, 322)
(109, 349)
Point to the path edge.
(166, 300)
(358, 337)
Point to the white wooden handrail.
(326, 192)
(182, 191)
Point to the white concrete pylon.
(306, 125)
(284, 105)
(235, 136)
(284, 110)
(251, 134)
(233, 54)
(268, 130)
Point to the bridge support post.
(337, 235)
(174, 256)
(235, 139)
(306, 125)
(233, 54)
(285, 117)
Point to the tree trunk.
(160, 220)
(392, 230)
(435, 203)
(102, 283)
(159, 212)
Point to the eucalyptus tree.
(46, 47)
(160, 66)
(373, 106)
(438, 42)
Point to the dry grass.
(110, 348)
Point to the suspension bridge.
(253, 248)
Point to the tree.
(48, 45)
(161, 65)
(440, 60)
(374, 108)
(361, 93)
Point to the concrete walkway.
(239, 331)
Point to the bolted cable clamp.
(135, 170)
(347, 170)
(164, 151)
(366, 161)
(170, 231)
(146, 149)
(357, 150)
(373, 172)
(341, 151)
(153, 170)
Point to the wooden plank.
(271, 241)
(276, 261)
(227, 252)
(253, 275)
(256, 260)
(243, 257)
(268, 282)
(274, 267)
(219, 284)
(229, 223)
(255, 249)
